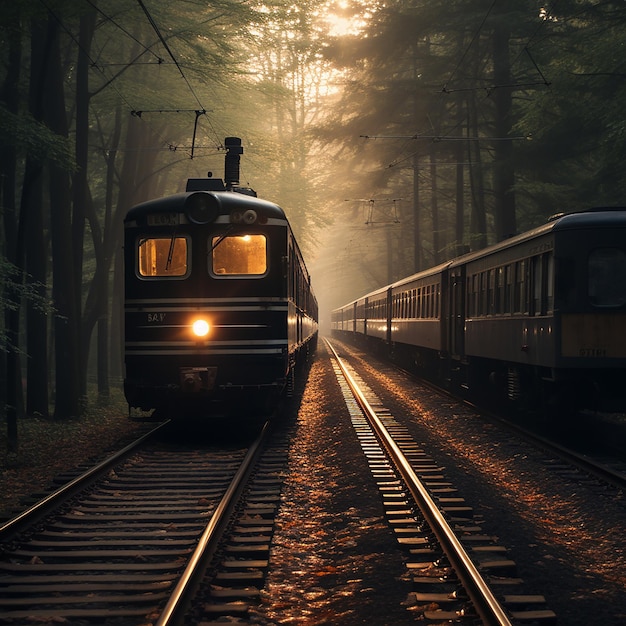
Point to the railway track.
(127, 540)
(608, 466)
(455, 566)
(581, 466)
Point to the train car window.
(473, 289)
(476, 299)
(499, 290)
(482, 306)
(607, 277)
(537, 278)
(550, 283)
(163, 257)
(240, 255)
(520, 303)
(508, 288)
(491, 292)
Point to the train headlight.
(201, 207)
(200, 328)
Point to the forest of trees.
(395, 135)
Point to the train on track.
(219, 308)
(538, 320)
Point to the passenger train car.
(538, 319)
(219, 307)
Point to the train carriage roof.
(432, 271)
(601, 217)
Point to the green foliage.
(14, 291)
(26, 134)
(579, 122)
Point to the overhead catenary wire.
(156, 29)
(168, 145)
(469, 46)
(201, 110)
(147, 49)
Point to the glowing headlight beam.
(200, 328)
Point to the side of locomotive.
(218, 303)
(539, 319)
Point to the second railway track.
(436, 526)
(123, 547)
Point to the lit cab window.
(244, 255)
(163, 256)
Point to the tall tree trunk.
(31, 213)
(478, 218)
(36, 319)
(459, 153)
(110, 233)
(65, 298)
(434, 206)
(115, 348)
(9, 95)
(79, 182)
(503, 173)
(417, 234)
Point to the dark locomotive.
(538, 320)
(218, 302)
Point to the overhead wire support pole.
(195, 128)
(198, 112)
(140, 112)
(156, 29)
(436, 138)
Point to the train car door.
(388, 315)
(456, 323)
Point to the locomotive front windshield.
(243, 255)
(607, 277)
(163, 257)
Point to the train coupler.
(197, 379)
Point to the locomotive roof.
(227, 201)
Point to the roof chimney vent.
(231, 167)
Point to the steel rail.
(576, 459)
(51, 501)
(481, 596)
(580, 460)
(176, 605)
